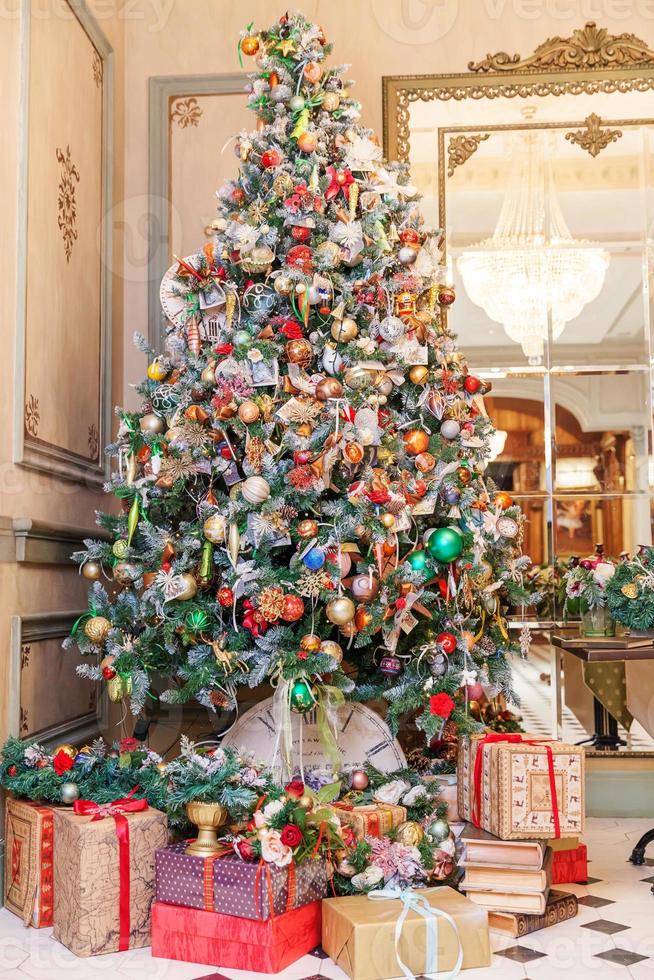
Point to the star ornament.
(287, 46)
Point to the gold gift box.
(359, 935)
(370, 819)
(515, 800)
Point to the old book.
(482, 878)
(498, 901)
(482, 848)
(560, 906)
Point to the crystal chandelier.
(532, 267)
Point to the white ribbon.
(414, 902)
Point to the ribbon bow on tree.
(339, 180)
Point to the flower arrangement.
(586, 583)
(630, 594)
(404, 786)
(97, 772)
(377, 862)
(292, 825)
(214, 775)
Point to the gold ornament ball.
(250, 45)
(156, 370)
(208, 376)
(96, 628)
(307, 142)
(119, 548)
(340, 611)
(331, 101)
(344, 330)
(416, 441)
(332, 649)
(152, 423)
(248, 412)
(283, 285)
(307, 528)
(328, 388)
(419, 374)
(388, 520)
(190, 587)
(67, 749)
(356, 377)
(161, 767)
(310, 642)
(306, 802)
(215, 528)
(92, 570)
(409, 833)
(255, 490)
(359, 779)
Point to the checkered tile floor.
(612, 938)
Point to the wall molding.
(162, 90)
(27, 451)
(24, 540)
(35, 628)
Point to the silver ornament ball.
(69, 793)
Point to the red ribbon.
(338, 182)
(513, 739)
(117, 810)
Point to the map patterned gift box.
(226, 884)
(370, 819)
(104, 875)
(29, 852)
(518, 787)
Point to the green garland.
(630, 595)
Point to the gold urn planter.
(207, 817)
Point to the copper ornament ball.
(307, 142)
(307, 528)
(250, 45)
(364, 587)
(311, 642)
(359, 779)
(248, 412)
(299, 352)
(329, 388)
(425, 462)
(415, 441)
(362, 618)
(353, 452)
(92, 570)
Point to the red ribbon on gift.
(513, 739)
(117, 810)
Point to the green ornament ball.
(197, 620)
(417, 560)
(120, 548)
(438, 830)
(445, 544)
(303, 696)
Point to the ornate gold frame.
(590, 61)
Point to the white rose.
(273, 851)
(391, 792)
(448, 846)
(603, 571)
(368, 879)
(271, 809)
(259, 820)
(414, 794)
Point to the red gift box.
(570, 867)
(29, 875)
(195, 936)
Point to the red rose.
(291, 330)
(291, 835)
(128, 745)
(295, 789)
(245, 850)
(224, 348)
(62, 762)
(378, 496)
(441, 705)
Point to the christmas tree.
(303, 492)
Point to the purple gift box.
(229, 885)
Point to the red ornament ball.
(225, 597)
(238, 195)
(108, 673)
(447, 642)
(293, 608)
(12, 770)
(300, 233)
(503, 499)
(300, 257)
(271, 158)
(471, 384)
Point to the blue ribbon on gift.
(413, 901)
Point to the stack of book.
(512, 879)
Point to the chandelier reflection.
(532, 268)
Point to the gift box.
(104, 875)
(195, 936)
(359, 933)
(29, 873)
(371, 819)
(570, 867)
(229, 885)
(519, 787)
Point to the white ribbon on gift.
(412, 901)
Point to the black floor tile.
(605, 926)
(594, 901)
(520, 954)
(319, 953)
(621, 956)
(591, 881)
(648, 881)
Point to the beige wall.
(36, 587)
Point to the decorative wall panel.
(49, 702)
(63, 365)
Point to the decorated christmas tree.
(303, 492)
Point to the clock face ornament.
(362, 736)
(211, 295)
